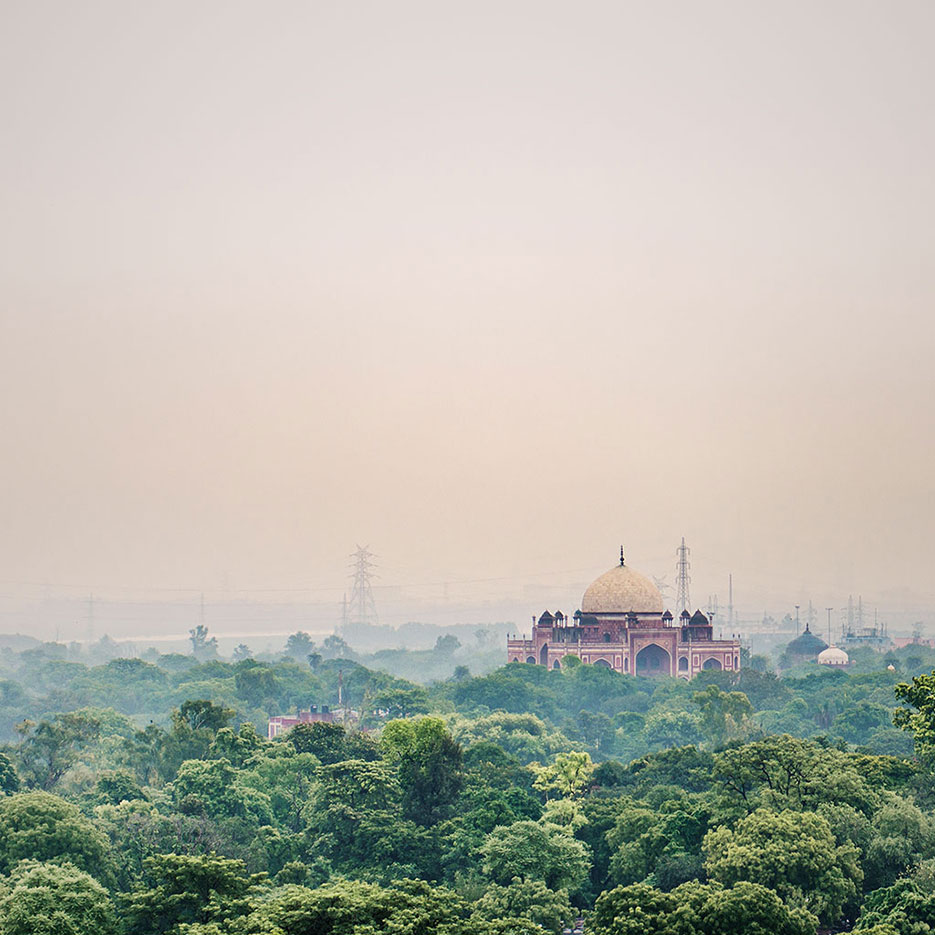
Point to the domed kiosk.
(806, 645)
(622, 625)
(834, 656)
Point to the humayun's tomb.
(622, 625)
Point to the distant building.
(804, 648)
(281, 724)
(834, 657)
(900, 642)
(622, 626)
(874, 637)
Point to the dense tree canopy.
(143, 796)
(55, 899)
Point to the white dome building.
(832, 656)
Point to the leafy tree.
(356, 822)
(256, 684)
(42, 826)
(153, 753)
(242, 652)
(698, 909)
(793, 853)
(664, 841)
(12, 694)
(596, 729)
(689, 768)
(239, 747)
(525, 736)
(492, 766)
(667, 728)
(334, 647)
(212, 788)
(179, 889)
(299, 645)
(530, 850)
(901, 836)
(568, 775)
(353, 907)
(287, 782)
(429, 767)
(634, 910)
(50, 748)
(331, 743)
(788, 772)
(400, 702)
(857, 722)
(357, 785)
(115, 786)
(195, 725)
(752, 909)
(918, 695)
(531, 900)
(203, 646)
(447, 644)
(201, 715)
(724, 715)
(903, 907)
(55, 899)
(9, 781)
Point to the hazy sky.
(489, 286)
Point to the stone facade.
(635, 640)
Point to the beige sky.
(488, 286)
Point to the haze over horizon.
(490, 289)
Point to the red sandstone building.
(281, 724)
(622, 625)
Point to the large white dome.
(621, 591)
(832, 656)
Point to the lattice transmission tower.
(362, 608)
(682, 567)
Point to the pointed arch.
(653, 660)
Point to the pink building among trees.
(622, 625)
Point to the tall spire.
(621, 555)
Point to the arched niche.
(652, 660)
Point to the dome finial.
(621, 555)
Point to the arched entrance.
(711, 664)
(531, 660)
(603, 663)
(653, 660)
(556, 665)
(683, 664)
(544, 655)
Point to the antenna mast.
(730, 601)
(362, 608)
(682, 566)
